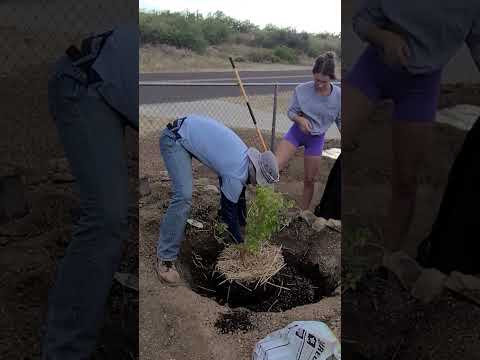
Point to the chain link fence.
(162, 102)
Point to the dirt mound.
(166, 312)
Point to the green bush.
(262, 56)
(175, 29)
(195, 31)
(266, 214)
(215, 33)
(320, 44)
(285, 53)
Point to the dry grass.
(163, 58)
(249, 268)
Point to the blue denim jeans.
(178, 162)
(233, 214)
(92, 134)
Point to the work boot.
(167, 273)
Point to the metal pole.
(274, 120)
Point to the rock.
(195, 223)
(164, 176)
(319, 224)
(13, 201)
(202, 182)
(144, 187)
(338, 291)
(466, 285)
(334, 225)
(429, 285)
(212, 188)
(308, 216)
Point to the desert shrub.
(262, 56)
(320, 44)
(196, 32)
(175, 29)
(239, 59)
(266, 214)
(286, 54)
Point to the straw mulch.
(250, 268)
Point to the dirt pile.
(309, 281)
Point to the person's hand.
(304, 125)
(395, 49)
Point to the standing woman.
(409, 44)
(314, 107)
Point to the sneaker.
(167, 272)
(308, 216)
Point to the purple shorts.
(313, 143)
(415, 97)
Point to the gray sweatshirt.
(320, 111)
(433, 29)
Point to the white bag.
(301, 340)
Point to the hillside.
(190, 41)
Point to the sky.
(313, 16)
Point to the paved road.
(161, 94)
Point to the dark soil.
(30, 249)
(380, 320)
(303, 282)
(233, 322)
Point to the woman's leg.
(284, 152)
(410, 144)
(360, 91)
(356, 110)
(415, 109)
(311, 167)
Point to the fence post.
(274, 120)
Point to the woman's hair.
(325, 64)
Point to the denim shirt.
(117, 66)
